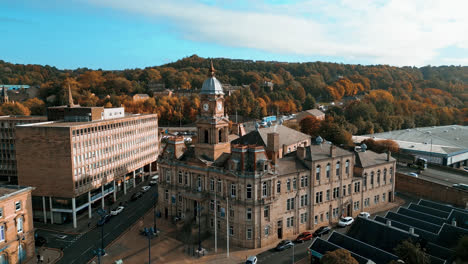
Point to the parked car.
(143, 232)
(145, 188)
(285, 244)
(154, 180)
(40, 241)
(251, 260)
(461, 186)
(136, 195)
(104, 220)
(304, 236)
(322, 231)
(345, 221)
(364, 214)
(414, 174)
(117, 210)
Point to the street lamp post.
(155, 196)
(199, 228)
(100, 251)
(149, 233)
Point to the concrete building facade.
(16, 224)
(8, 170)
(76, 162)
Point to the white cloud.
(396, 32)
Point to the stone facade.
(255, 191)
(16, 224)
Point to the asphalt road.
(286, 256)
(437, 175)
(79, 248)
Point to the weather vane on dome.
(212, 69)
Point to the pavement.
(132, 247)
(48, 255)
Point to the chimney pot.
(388, 155)
(332, 151)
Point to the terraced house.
(256, 189)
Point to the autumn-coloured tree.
(411, 253)
(339, 256)
(36, 106)
(381, 146)
(14, 109)
(310, 125)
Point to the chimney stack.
(273, 146)
(388, 155)
(332, 151)
(389, 223)
(178, 145)
(301, 152)
(411, 230)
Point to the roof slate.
(370, 158)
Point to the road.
(286, 256)
(79, 248)
(437, 175)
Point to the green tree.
(339, 256)
(309, 102)
(310, 125)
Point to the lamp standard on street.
(155, 196)
(100, 251)
(149, 232)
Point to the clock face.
(205, 107)
(220, 106)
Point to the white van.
(154, 179)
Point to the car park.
(345, 221)
(323, 230)
(304, 236)
(364, 214)
(145, 188)
(117, 210)
(251, 260)
(136, 195)
(284, 244)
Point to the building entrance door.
(280, 229)
(165, 212)
(195, 209)
(348, 210)
(390, 197)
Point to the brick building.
(16, 224)
(8, 171)
(260, 187)
(83, 155)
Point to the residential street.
(79, 248)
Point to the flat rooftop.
(437, 139)
(39, 118)
(74, 124)
(9, 190)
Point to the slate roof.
(428, 210)
(211, 86)
(322, 151)
(287, 136)
(429, 236)
(422, 216)
(289, 164)
(370, 158)
(413, 222)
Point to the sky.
(124, 34)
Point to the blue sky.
(119, 34)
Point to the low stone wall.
(430, 190)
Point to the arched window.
(220, 135)
(278, 187)
(378, 177)
(3, 259)
(372, 179)
(249, 191)
(317, 173)
(264, 189)
(385, 176)
(364, 181)
(328, 170)
(206, 136)
(347, 166)
(338, 169)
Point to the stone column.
(90, 214)
(102, 196)
(51, 212)
(44, 212)
(125, 184)
(74, 212)
(134, 182)
(115, 191)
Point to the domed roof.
(363, 147)
(212, 85)
(318, 140)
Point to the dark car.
(136, 195)
(40, 241)
(322, 231)
(104, 220)
(285, 244)
(304, 236)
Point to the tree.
(14, 109)
(310, 125)
(411, 253)
(309, 102)
(339, 256)
(36, 106)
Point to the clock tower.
(212, 123)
